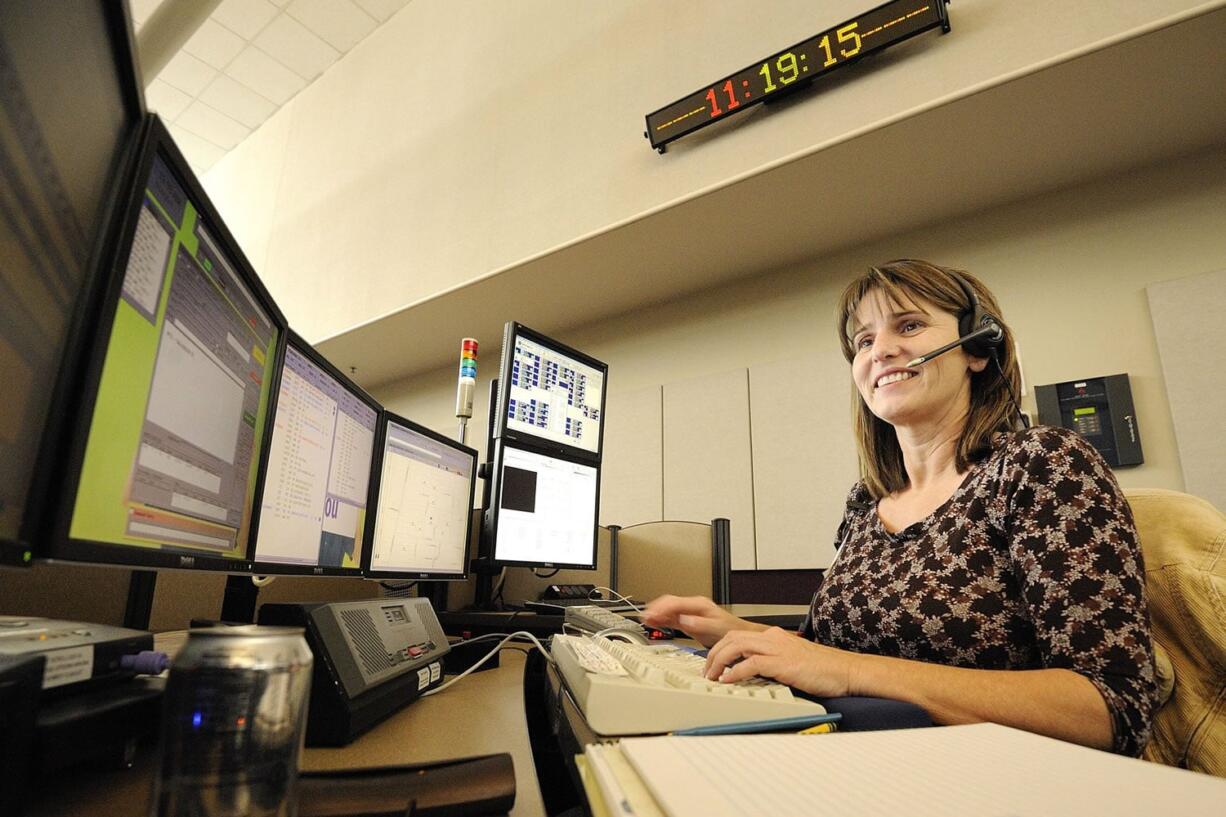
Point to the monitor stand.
(238, 603)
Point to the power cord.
(520, 634)
(618, 596)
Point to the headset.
(973, 320)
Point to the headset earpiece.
(974, 317)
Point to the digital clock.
(796, 67)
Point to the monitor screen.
(544, 510)
(550, 394)
(186, 353)
(69, 127)
(423, 509)
(312, 506)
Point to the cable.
(491, 654)
(496, 594)
(1016, 404)
(263, 581)
(398, 587)
(619, 596)
(555, 572)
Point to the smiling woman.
(900, 311)
(984, 572)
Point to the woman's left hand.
(785, 657)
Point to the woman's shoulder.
(1050, 450)
(1042, 441)
(859, 497)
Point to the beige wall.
(465, 136)
(1070, 269)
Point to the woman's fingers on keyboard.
(698, 616)
(781, 656)
(668, 610)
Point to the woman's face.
(885, 337)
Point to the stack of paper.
(978, 770)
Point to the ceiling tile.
(167, 100)
(187, 73)
(246, 18)
(382, 10)
(291, 43)
(214, 44)
(339, 23)
(264, 75)
(200, 153)
(237, 101)
(209, 123)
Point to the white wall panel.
(707, 456)
(632, 469)
(1187, 315)
(804, 458)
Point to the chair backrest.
(1183, 539)
(681, 558)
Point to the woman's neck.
(930, 454)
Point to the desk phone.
(372, 657)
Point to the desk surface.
(482, 714)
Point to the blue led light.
(197, 719)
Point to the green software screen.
(171, 457)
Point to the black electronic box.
(1099, 409)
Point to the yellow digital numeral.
(789, 70)
(825, 46)
(848, 34)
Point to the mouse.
(660, 633)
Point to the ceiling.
(248, 59)
(1131, 104)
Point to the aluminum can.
(233, 722)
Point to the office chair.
(1183, 539)
(681, 558)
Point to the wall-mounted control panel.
(1099, 409)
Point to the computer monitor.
(313, 486)
(550, 395)
(162, 470)
(69, 128)
(544, 509)
(423, 499)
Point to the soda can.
(233, 722)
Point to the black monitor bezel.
(493, 512)
(372, 504)
(40, 505)
(269, 568)
(60, 545)
(513, 330)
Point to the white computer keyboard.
(596, 619)
(636, 689)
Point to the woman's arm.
(1059, 703)
(699, 617)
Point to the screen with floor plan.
(313, 501)
(546, 511)
(172, 451)
(424, 507)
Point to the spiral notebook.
(980, 770)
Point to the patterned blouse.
(1032, 563)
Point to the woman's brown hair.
(992, 409)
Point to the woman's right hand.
(700, 618)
